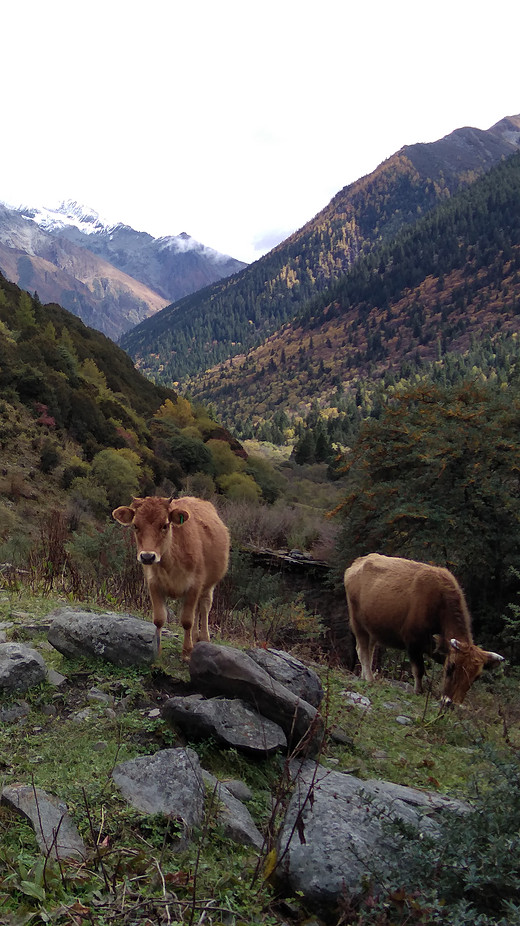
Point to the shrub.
(469, 875)
(270, 481)
(225, 461)
(88, 495)
(118, 471)
(239, 486)
(49, 456)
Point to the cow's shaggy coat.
(419, 608)
(183, 547)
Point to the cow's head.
(463, 664)
(152, 519)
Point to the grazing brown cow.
(183, 547)
(419, 608)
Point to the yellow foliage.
(180, 412)
(90, 372)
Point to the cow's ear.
(492, 660)
(441, 647)
(178, 516)
(123, 514)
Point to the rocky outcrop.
(224, 670)
(334, 836)
(290, 672)
(230, 722)
(120, 638)
(235, 819)
(21, 667)
(169, 782)
(55, 832)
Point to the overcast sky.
(237, 121)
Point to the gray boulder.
(119, 638)
(333, 839)
(21, 667)
(229, 722)
(168, 782)
(56, 834)
(235, 819)
(303, 681)
(224, 670)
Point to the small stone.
(358, 699)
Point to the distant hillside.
(81, 429)
(231, 317)
(447, 284)
(111, 277)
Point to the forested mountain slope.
(234, 315)
(80, 428)
(444, 285)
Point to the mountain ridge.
(440, 288)
(236, 314)
(111, 276)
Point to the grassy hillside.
(68, 740)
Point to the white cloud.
(233, 120)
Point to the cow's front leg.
(187, 619)
(160, 613)
(417, 661)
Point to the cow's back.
(206, 538)
(398, 601)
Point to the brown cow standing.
(183, 547)
(419, 608)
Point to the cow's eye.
(165, 527)
(450, 669)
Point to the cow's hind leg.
(365, 646)
(205, 602)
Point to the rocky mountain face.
(112, 277)
(228, 320)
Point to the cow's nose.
(147, 558)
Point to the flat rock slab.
(120, 638)
(169, 782)
(56, 834)
(231, 722)
(303, 681)
(225, 670)
(21, 667)
(333, 839)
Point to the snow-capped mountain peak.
(67, 213)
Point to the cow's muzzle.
(147, 559)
